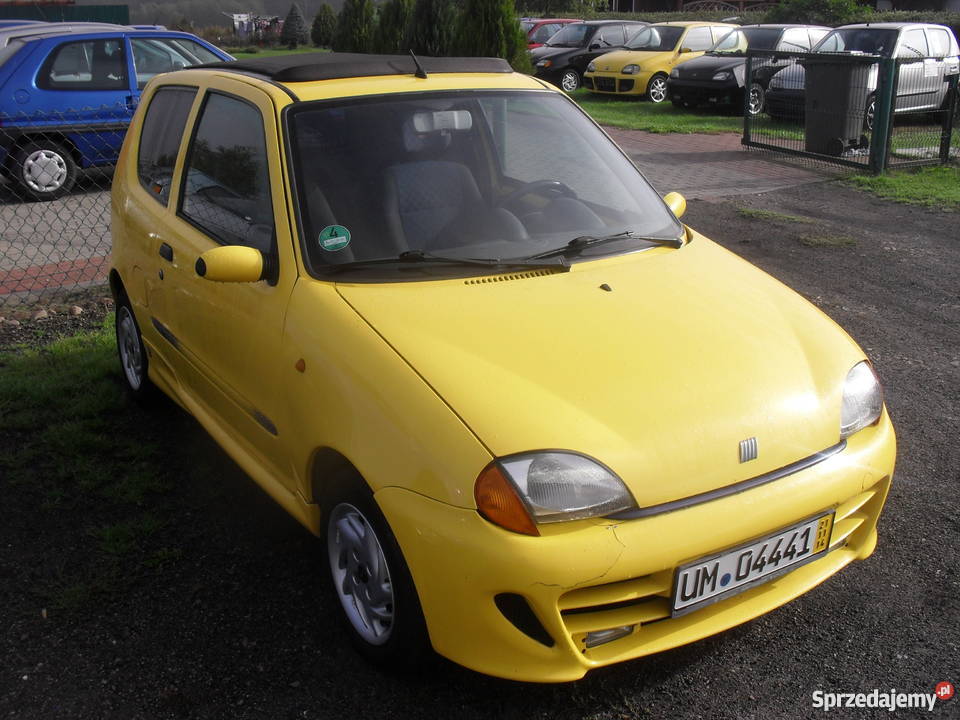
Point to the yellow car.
(643, 67)
(540, 425)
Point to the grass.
(241, 53)
(637, 114)
(827, 241)
(771, 216)
(937, 186)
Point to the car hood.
(791, 77)
(660, 377)
(616, 60)
(547, 51)
(706, 66)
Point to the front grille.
(626, 85)
(645, 602)
(607, 84)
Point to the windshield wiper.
(575, 246)
(421, 256)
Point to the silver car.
(927, 54)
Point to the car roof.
(786, 26)
(693, 23)
(611, 22)
(313, 67)
(892, 26)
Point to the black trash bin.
(836, 90)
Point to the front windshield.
(655, 38)
(482, 175)
(526, 25)
(572, 35)
(743, 39)
(870, 41)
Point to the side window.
(795, 39)
(939, 42)
(160, 139)
(226, 186)
(90, 65)
(697, 39)
(152, 56)
(609, 35)
(542, 34)
(816, 35)
(913, 44)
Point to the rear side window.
(160, 139)
(226, 190)
(89, 65)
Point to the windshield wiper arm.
(421, 256)
(584, 241)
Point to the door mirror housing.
(676, 202)
(232, 263)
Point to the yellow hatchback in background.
(539, 425)
(644, 66)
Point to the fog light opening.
(599, 637)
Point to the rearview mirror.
(232, 263)
(676, 202)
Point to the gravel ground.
(238, 624)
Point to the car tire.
(869, 113)
(134, 363)
(570, 80)
(44, 170)
(757, 100)
(379, 605)
(657, 88)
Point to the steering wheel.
(544, 187)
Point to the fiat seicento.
(538, 424)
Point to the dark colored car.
(564, 58)
(539, 30)
(66, 98)
(717, 78)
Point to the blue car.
(66, 99)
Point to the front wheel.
(657, 88)
(869, 115)
(132, 353)
(381, 610)
(757, 100)
(44, 169)
(570, 80)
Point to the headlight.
(521, 491)
(862, 400)
(545, 63)
(592, 66)
(631, 70)
(722, 75)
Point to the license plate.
(734, 570)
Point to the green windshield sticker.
(334, 237)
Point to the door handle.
(166, 252)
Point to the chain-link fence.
(55, 201)
(859, 110)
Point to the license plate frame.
(820, 528)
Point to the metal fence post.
(948, 119)
(747, 83)
(883, 114)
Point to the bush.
(815, 12)
(489, 28)
(393, 27)
(324, 25)
(294, 29)
(432, 28)
(355, 27)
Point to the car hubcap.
(756, 99)
(570, 82)
(129, 346)
(44, 171)
(360, 574)
(658, 90)
(871, 110)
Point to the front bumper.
(704, 92)
(598, 574)
(617, 83)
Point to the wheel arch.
(328, 470)
(53, 136)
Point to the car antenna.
(420, 73)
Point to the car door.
(944, 52)
(918, 72)
(229, 190)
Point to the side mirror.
(676, 202)
(594, 46)
(232, 263)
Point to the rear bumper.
(599, 574)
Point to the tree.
(431, 31)
(489, 28)
(393, 27)
(817, 12)
(294, 29)
(355, 26)
(324, 25)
